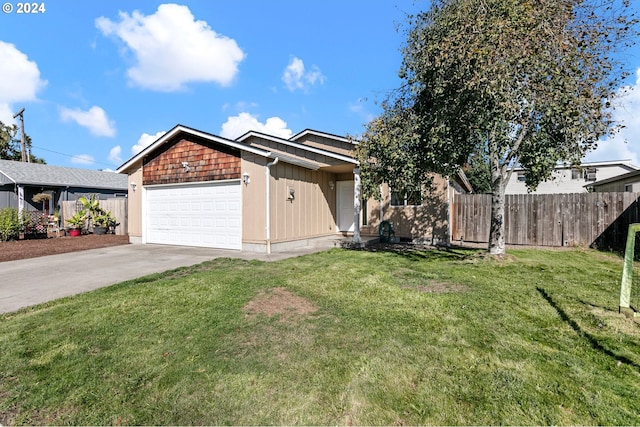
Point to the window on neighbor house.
(575, 173)
(521, 177)
(412, 198)
(628, 188)
(589, 174)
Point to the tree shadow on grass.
(418, 252)
(590, 338)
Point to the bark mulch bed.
(22, 249)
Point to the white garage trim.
(195, 214)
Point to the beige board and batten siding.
(311, 211)
(254, 199)
(309, 214)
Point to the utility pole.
(22, 142)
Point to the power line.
(69, 155)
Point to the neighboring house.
(628, 182)
(20, 181)
(262, 193)
(567, 179)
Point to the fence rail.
(583, 219)
(117, 207)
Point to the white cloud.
(95, 119)
(145, 140)
(83, 159)
(296, 77)
(628, 113)
(19, 80)
(236, 126)
(6, 114)
(115, 155)
(172, 49)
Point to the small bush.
(9, 224)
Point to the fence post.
(627, 270)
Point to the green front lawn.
(341, 337)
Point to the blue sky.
(101, 79)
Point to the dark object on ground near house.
(386, 233)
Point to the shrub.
(10, 224)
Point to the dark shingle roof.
(39, 174)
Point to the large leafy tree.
(10, 148)
(478, 172)
(526, 82)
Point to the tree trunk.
(496, 230)
(498, 184)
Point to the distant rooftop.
(58, 176)
(626, 162)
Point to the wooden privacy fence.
(583, 219)
(117, 207)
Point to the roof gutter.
(268, 216)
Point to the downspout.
(268, 216)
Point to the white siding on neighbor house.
(564, 180)
(207, 215)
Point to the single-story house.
(570, 179)
(20, 181)
(263, 193)
(628, 182)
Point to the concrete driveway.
(37, 280)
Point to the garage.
(206, 215)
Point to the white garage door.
(195, 215)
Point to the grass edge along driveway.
(339, 337)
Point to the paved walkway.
(37, 280)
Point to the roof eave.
(300, 146)
(8, 177)
(318, 133)
(464, 180)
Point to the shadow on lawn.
(590, 338)
(421, 252)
